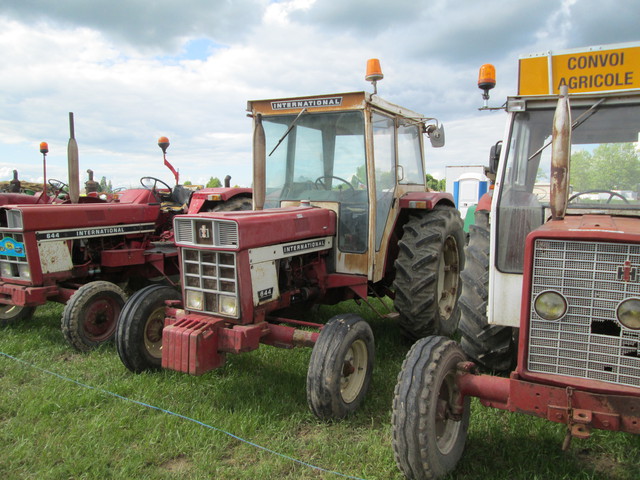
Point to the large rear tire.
(428, 436)
(139, 333)
(234, 205)
(491, 346)
(12, 314)
(427, 283)
(90, 316)
(340, 367)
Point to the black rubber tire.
(235, 204)
(340, 368)
(139, 333)
(427, 282)
(493, 347)
(426, 443)
(90, 316)
(12, 314)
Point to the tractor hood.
(255, 228)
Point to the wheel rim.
(9, 311)
(448, 278)
(153, 332)
(354, 371)
(447, 430)
(100, 318)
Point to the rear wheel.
(427, 283)
(340, 367)
(429, 430)
(10, 314)
(233, 205)
(139, 333)
(491, 346)
(89, 318)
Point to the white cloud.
(133, 71)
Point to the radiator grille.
(13, 257)
(212, 276)
(202, 231)
(588, 342)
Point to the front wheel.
(340, 367)
(429, 430)
(89, 318)
(139, 333)
(10, 314)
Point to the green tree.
(214, 182)
(188, 182)
(611, 166)
(106, 186)
(435, 184)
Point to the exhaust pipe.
(560, 154)
(259, 163)
(72, 157)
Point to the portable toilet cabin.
(468, 189)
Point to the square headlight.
(195, 300)
(6, 270)
(24, 271)
(228, 305)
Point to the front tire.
(139, 333)
(427, 283)
(90, 316)
(340, 367)
(428, 435)
(12, 314)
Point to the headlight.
(6, 270)
(195, 300)
(628, 313)
(550, 305)
(228, 305)
(24, 272)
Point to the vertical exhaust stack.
(560, 154)
(259, 164)
(73, 162)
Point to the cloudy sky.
(133, 70)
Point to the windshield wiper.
(579, 121)
(304, 110)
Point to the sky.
(134, 70)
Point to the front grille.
(204, 231)
(13, 256)
(588, 341)
(214, 275)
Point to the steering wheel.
(320, 182)
(58, 186)
(610, 192)
(151, 183)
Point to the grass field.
(54, 428)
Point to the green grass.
(51, 428)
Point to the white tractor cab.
(551, 285)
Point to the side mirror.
(436, 135)
(494, 157)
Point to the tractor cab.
(352, 153)
(602, 176)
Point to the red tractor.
(551, 288)
(85, 254)
(347, 217)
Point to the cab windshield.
(322, 158)
(604, 172)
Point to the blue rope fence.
(174, 414)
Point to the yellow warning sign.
(597, 69)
